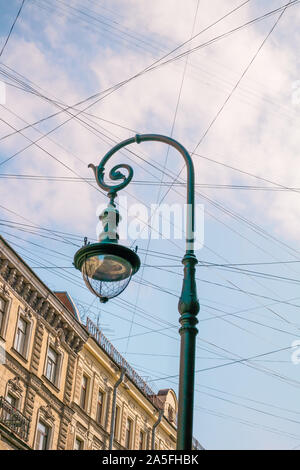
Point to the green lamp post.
(107, 268)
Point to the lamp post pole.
(188, 305)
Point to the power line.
(165, 163)
(232, 212)
(258, 369)
(110, 90)
(227, 100)
(240, 79)
(73, 179)
(11, 28)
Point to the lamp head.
(106, 268)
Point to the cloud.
(256, 131)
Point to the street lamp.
(107, 268)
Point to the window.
(117, 420)
(78, 445)
(83, 395)
(100, 404)
(142, 440)
(21, 336)
(2, 313)
(13, 401)
(42, 436)
(9, 413)
(52, 365)
(128, 433)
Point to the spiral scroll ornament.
(114, 175)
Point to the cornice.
(37, 298)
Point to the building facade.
(107, 388)
(63, 385)
(40, 340)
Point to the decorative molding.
(37, 346)
(26, 291)
(63, 434)
(41, 305)
(47, 413)
(15, 367)
(14, 386)
(35, 382)
(44, 308)
(81, 430)
(3, 267)
(18, 285)
(26, 312)
(33, 385)
(56, 321)
(55, 402)
(60, 336)
(4, 290)
(68, 414)
(97, 444)
(132, 405)
(50, 315)
(32, 299)
(57, 343)
(12, 276)
(29, 402)
(69, 378)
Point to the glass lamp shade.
(106, 275)
(106, 268)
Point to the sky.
(231, 97)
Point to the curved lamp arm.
(188, 305)
(117, 175)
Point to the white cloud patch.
(257, 130)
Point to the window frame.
(99, 419)
(78, 439)
(117, 423)
(60, 356)
(16, 406)
(14, 389)
(142, 441)
(14, 397)
(25, 318)
(128, 433)
(84, 405)
(7, 304)
(47, 420)
(49, 435)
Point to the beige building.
(63, 385)
(40, 340)
(106, 388)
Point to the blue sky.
(233, 104)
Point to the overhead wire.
(166, 159)
(12, 28)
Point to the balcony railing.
(14, 419)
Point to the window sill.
(56, 388)
(20, 355)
